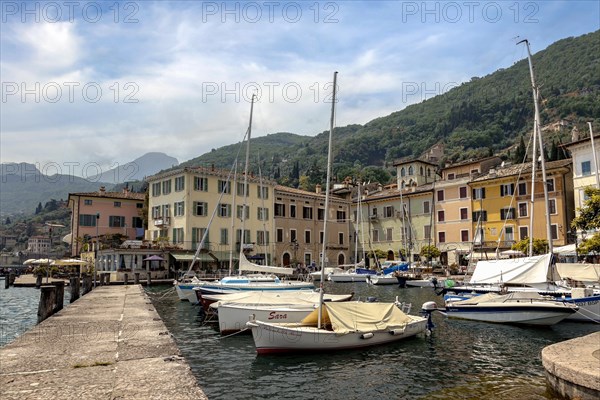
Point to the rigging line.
(201, 244)
(513, 195)
(262, 199)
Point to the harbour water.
(18, 311)
(460, 360)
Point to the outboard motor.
(427, 309)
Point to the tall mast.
(537, 132)
(324, 247)
(242, 236)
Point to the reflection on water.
(461, 359)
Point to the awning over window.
(211, 256)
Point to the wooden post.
(74, 284)
(125, 278)
(107, 278)
(101, 281)
(38, 281)
(87, 284)
(148, 279)
(47, 301)
(11, 278)
(60, 296)
(136, 278)
(6, 283)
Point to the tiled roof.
(112, 195)
(519, 168)
(208, 171)
(394, 192)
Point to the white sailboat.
(336, 326)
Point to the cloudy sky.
(105, 82)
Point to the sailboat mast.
(538, 132)
(327, 190)
(232, 228)
(357, 222)
(242, 235)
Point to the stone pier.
(109, 344)
(573, 367)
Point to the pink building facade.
(95, 214)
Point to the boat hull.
(534, 314)
(589, 309)
(348, 278)
(218, 288)
(233, 317)
(280, 339)
(424, 283)
(384, 280)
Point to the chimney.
(379, 187)
(126, 191)
(318, 189)
(102, 190)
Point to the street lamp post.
(50, 226)
(96, 248)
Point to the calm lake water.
(18, 310)
(460, 360)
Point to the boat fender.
(395, 332)
(371, 299)
(367, 335)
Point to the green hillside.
(486, 115)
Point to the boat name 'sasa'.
(276, 315)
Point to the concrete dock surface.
(573, 367)
(109, 344)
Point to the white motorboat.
(430, 282)
(527, 308)
(316, 276)
(387, 279)
(348, 325)
(356, 275)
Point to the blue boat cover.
(394, 268)
(366, 271)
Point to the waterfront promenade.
(109, 344)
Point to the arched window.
(402, 172)
(402, 185)
(410, 170)
(428, 171)
(421, 171)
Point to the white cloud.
(193, 75)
